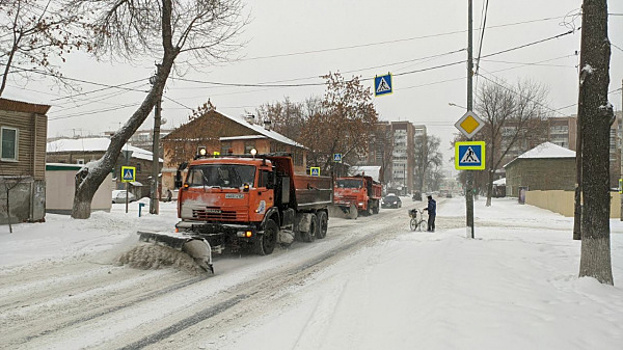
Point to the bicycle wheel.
(413, 224)
(422, 226)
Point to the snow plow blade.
(197, 248)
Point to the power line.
(529, 99)
(482, 34)
(81, 114)
(520, 64)
(393, 41)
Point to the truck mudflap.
(196, 247)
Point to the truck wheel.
(265, 244)
(310, 235)
(375, 208)
(370, 210)
(353, 212)
(323, 224)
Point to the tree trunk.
(89, 180)
(490, 187)
(595, 114)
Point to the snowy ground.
(371, 284)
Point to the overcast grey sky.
(299, 40)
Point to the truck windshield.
(348, 183)
(221, 175)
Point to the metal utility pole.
(469, 195)
(155, 167)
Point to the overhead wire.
(395, 40)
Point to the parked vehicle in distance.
(391, 201)
(417, 196)
(119, 196)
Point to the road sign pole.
(127, 196)
(469, 195)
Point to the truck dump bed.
(313, 192)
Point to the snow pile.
(155, 256)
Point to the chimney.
(267, 124)
(249, 118)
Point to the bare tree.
(514, 121)
(287, 118)
(344, 124)
(33, 33)
(595, 115)
(167, 29)
(427, 156)
(204, 128)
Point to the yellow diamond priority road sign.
(469, 124)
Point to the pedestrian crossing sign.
(469, 155)
(128, 174)
(314, 171)
(383, 85)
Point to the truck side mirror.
(178, 184)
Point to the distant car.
(449, 195)
(417, 196)
(391, 201)
(118, 196)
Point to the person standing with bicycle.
(432, 212)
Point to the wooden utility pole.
(595, 115)
(154, 205)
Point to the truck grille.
(216, 214)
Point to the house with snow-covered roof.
(23, 132)
(88, 149)
(223, 134)
(545, 167)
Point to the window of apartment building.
(9, 142)
(79, 161)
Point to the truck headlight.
(245, 234)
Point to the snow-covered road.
(370, 284)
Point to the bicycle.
(417, 224)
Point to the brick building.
(224, 135)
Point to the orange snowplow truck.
(357, 194)
(247, 203)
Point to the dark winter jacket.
(432, 207)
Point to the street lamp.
(455, 105)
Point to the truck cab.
(245, 202)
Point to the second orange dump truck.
(357, 194)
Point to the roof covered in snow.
(260, 130)
(369, 170)
(546, 150)
(500, 182)
(94, 144)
